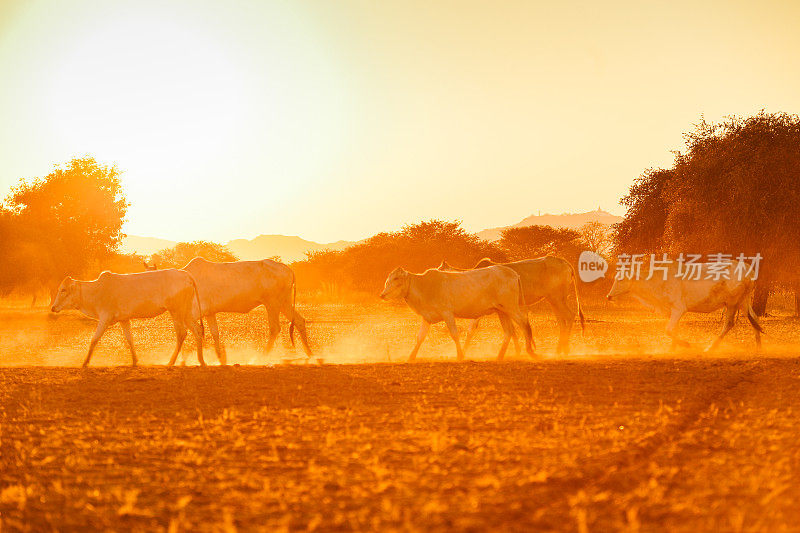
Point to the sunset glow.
(335, 121)
(399, 265)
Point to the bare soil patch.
(636, 444)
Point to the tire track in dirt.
(621, 471)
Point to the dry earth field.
(621, 435)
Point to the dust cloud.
(356, 334)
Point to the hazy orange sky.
(335, 120)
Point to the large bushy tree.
(64, 223)
(735, 189)
(536, 241)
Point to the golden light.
(202, 107)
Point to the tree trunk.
(760, 296)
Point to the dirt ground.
(620, 435)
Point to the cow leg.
(451, 327)
(672, 328)
(423, 331)
(180, 333)
(727, 325)
(126, 331)
(513, 333)
(515, 338)
(292, 315)
(197, 333)
(565, 317)
(473, 327)
(520, 318)
(508, 330)
(102, 325)
(273, 320)
(218, 347)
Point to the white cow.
(241, 286)
(113, 298)
(673, 296)
(550, 278)
(444, 296)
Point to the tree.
(11, 268)
(642, 229)
(736, 189)
(183, 252)
(417, 247)
(535, 241)
(64, 223)
(597, 237)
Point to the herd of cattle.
(203, 288)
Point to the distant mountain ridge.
(134, 244)
(292, 248)
(288, 247)
(564, 220)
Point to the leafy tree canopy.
(64, 223)
(183, 252)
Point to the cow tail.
(199, 309)
(578, 300)
(521, 293)
(294, 300)
(751, 316)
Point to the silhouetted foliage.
(183, 252)
(416, 247)
(736, 189)
(642, 229)
(536, 241)
(597, 237)
(65, 223)
(123, 263)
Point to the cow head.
(619, 288)
(67, 297)
(396, 285)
